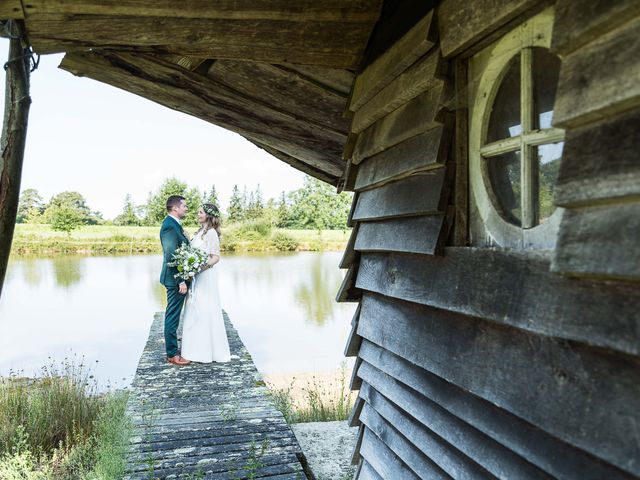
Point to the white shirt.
(175, 218)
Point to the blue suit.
(171, 236)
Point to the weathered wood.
(424, 74)
(355, 382)
(492, 437)
(469, 26)
(339, 80)
(449, 459)
(419, 194)
(578, 23)
(400, 56)
(600, 162)
(422, 152)
(12, 142)
(350, 256)
(191, 93)
(600, 79)
(461, 154)
(600, 242)
(547, 304)
(348, 292)
(356, 458)
(367, 472)
(385, 462)
(421, 235)
(414, 117)
(354, 340)
(11, 10)
(411, 456)
(354, 416)
(285, 91)
(578, 390)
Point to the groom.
(172, 236)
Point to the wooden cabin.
(492, 146)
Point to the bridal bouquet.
(189, 261)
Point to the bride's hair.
(212, 221)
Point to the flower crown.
(210, 209)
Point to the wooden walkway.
(207, 421)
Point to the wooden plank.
(354, 416)
(367, 472)
(600, 163)
(414, 117)
(354, 202)
(400, 56)
(354, 340)
(547, 303)
(424, 74)
(350, 256)
(578, 23)
(600, 242)
(355, 382)
(191, 93)
(578, 390)
(11, 10)
(492, 437)
(600, 80)
(339, 80)
(356, 458)
(385, 462)
(469, 26)
(348, 291)
(285, 91)
(461, 135)
(411, 456)
(335, 44)
(447, 457)
(421, 235)
(419, 194)
(422, 152)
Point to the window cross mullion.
(529, 215)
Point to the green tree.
(129, 213)
(211, 196)
(65, 218)
(30, 206)
(317, 206)
(156, 207)
(235, 210)
(283, 219)
(73, 201)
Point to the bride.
(204, 338)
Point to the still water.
(99, 309)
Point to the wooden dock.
(207, 421)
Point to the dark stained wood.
(424, 74)
(500, 442)
(348, 292)
(199, 96)
(11, 10)
(422, 235)
(600, 79)
(13, 139)
(411, 456)
(449, 459)
(422, 152)
(401, 55)
(385, 462)
(356, 458)
(339, 80)
(354, 416)
(416, 116)
(461, 154)
(583, 396)
(600, 242)
(578, 23)
(419, 194)
(355, 382)
(600, 162)
(354, 340)
(517, 289)
(350, 256)
(468, 26)
(285, 91)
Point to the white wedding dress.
(204, 338)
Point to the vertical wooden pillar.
(12, 142)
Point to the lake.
(100, 309)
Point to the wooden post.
(14, 134)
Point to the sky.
(105, 143)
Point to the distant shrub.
(284, 243)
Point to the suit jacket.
(171, 236)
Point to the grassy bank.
(101, 240)
(56, 427)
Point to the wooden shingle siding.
(354, 340)
(348, 291)
(350, 256)
(409, 235)
(600, 79)
(512, 289)
(387, 464)
(588, 247)
(11, 9)
(600, 162)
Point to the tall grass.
(57, 427)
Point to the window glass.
(546, 71)
(548, 165)
(504, 175)
(505, 115)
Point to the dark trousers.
(175, 301)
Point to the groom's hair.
(174, 201)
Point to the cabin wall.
(486, 362)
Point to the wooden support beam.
(12, 142)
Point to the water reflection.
(67, 270)
(315, 293)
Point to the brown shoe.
(178, 360)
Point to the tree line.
(315, 205)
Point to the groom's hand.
(182, 288)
